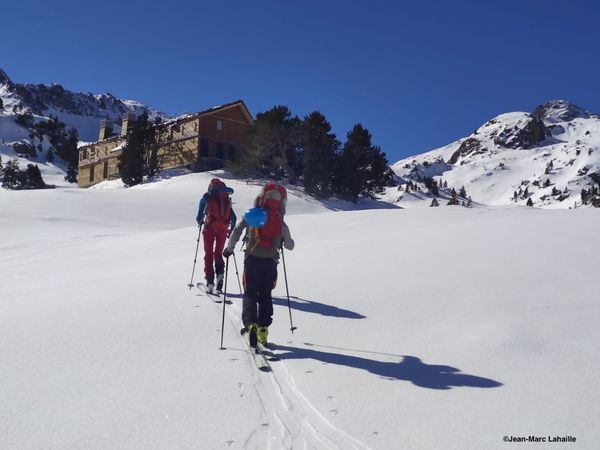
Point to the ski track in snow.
(497, 306)
(287, 418)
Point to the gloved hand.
(227, 253)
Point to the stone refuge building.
(201, 141)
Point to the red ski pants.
(214, 242)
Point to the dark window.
(232, 152)
(105, 171)
(220, 151)
(92, 173)
(203, 147)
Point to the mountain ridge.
(80, 110)
(544, 158)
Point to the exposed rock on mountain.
(549, 158)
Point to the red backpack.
(218, 205)
(272, 199)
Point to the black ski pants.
(260, 275)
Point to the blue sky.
(417, 74)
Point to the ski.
(267, 351)
(258, 356)
(214, 296)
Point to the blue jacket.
(202, 207)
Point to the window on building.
(219, 125)
(105, 171)
(220, 151)
(232, 152)
(92, 173)
(203, 147)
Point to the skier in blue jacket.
(217, 217)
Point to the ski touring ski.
(258, 355)
(214, 295)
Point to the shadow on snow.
(312, 306)
(410, 369)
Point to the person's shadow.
(310, 306)
(410, 369)
(315, 307)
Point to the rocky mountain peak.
(560, 111)
(4, 79)
(518, 130)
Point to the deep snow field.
(423, 328)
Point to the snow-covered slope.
(410, 334)
(548, 157)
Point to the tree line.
(282, 147)
(11, 177)
(307, 152)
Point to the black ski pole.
(292, 327)
(191, 283)
(224, 302)
(237, 274)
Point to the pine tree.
(11, 179)
(133, 156)
(529, 202)
(274, 149)
(434, 203)
(363, 169)
(34, 177)
(71, 175)
(432, 185)
(320, 147)
(454, 198)
(463, 192)
(71, 154)
(155, 161)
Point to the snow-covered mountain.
(547, 156)
(80, 110)
(23, 106)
